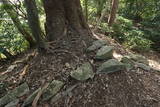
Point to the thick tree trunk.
(114, 9)
(67, 29)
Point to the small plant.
(10, 39)
(130, 36)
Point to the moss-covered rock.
(30, 98)
(83, 72)
(128, 63)
(12, 95)
(138, 58)
(111, 66)
(96, 45)
(106, 52)
(13, 103)
(143, 66)
(53, 88)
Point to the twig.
(25, 70)
(34, 104)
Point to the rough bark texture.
(67, 32)
(62, 15)
(9, 9)
(33, 20)
(102, 17)
(114, 9)
(86, 9)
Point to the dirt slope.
(134, 88)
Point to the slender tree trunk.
(114, 9)
(102, 17)
(86, 9)
(9, 9)
(100, 5)
(34, 24)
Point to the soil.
(134, 88)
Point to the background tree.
(113, 12)
(34, 24)
(9, 8)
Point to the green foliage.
(146, 14)
(95, 8)
(104, 27)
(135, 40)
(10, 39)
(131, 37)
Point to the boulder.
(14, 103)
(83, 72)
(96, 45)
(128, 63)
(17, 92)
(106, 52)
(63, 94)
(143, 66)
(138, 58)
(53, 88)
(30, 98)
(111, 66)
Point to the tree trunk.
(34, 24)
(114, 9)
(102, 17)
(86, 9)
(100, 5)
(62, 15)
(9, 9)
(66, 26)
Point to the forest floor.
(134, 88)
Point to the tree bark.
(66, 28)
(86, 9)
(9, 9)
(114, 9)
(102, 17)
(34, 24)
(61, 15)
(100, 5)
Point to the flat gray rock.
(111, 66)
(128, 63)
(106, 52)
(96, 45)
(63, 94)
(53, 88)
(143, 66)
(13, 103)
(30, 98)
(12, 95)
(138, 58)
(83, 72)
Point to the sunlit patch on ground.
(117, 56)
(154, 64)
